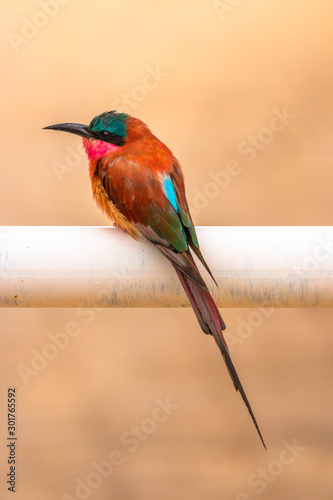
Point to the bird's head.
(106, 133)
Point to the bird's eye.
(106, 136)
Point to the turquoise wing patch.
(170, 192)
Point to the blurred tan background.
(209, 78)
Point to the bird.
(139, 185)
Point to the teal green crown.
(113, 122)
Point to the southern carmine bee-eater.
(139, 185)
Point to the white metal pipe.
(103, 267)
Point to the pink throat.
(97, 149)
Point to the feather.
(211, 322)
(142, 190)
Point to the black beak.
(72, 128)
